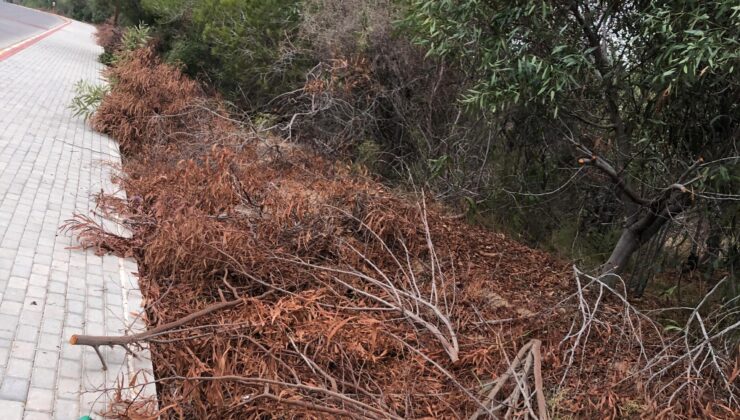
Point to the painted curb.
(15, 49)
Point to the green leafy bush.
(240, 46)
(131, 39)
(136, 37)
(106, 58)
(87, 98)
(640, 95)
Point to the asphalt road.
(18, 23)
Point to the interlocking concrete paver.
(50, 164)
(40, 399)
(14, 389)
(44, 378)
(12, 410)
(37, 415)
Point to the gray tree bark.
(634, 236)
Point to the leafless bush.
(702, 359)
(373, 96)
(343, 28)
(684, 371)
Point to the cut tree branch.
(530, 355)
(95, 341)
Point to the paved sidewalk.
(50, 165)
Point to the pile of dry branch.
(336, 297)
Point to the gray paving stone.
(71, 352)
(40, 399)
(40, 269)
(66, 409)
(46, 359)
(48, 289)
(38, 280)
(10, 307)
(4, 275)
(55, 299)
(73, 319)
(22, 265)
(16, 282)
(70, 368)
(31, 318)
(54, 313)
(92, 404)
(94, 328)
(14, 389)
(19, 368)
(57, 286)
(12, 410)
(95, 302)
(42, 258)
(69, 388)
(27, 333)
(6, 263)
(33, 304)
(37, 415)
(14, 295)
(4, 354)
(22, 350)
(51, 326)
(49, 342)
(36, 292)
(43, 378)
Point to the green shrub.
(87, 98)
(240, 46)
(247, 37)
(136, 37)
(132, 39)
(107, 58)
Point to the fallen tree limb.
(530, 355)
(95, 341)
(538, 383)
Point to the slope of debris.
(358, 301)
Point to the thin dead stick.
(532, 358)
(520, 389)
(538, 383)
(501, 381)
(95, 341)
(448, 343)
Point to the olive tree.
(643, 92)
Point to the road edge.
(20, 46)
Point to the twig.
(95, 341)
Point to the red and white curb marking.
(16, 48)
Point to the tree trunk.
(632, 238)
(628, 243)
(116, 12)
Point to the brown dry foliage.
(151, 103)
(210, 207)
(109, 36)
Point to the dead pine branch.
(125, 341)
